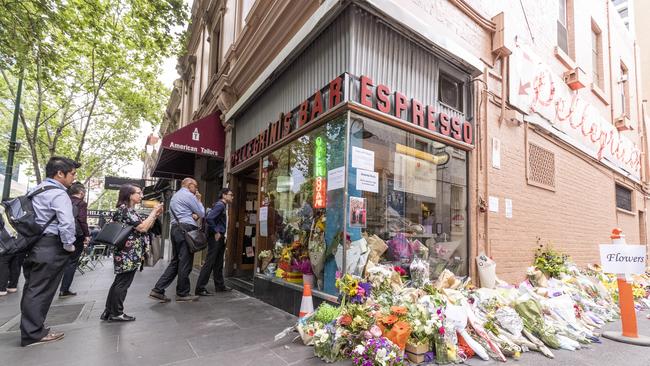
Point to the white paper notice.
(496, 153)
(248, 231)
(252, 219)
(264, 228)
(264, 213)
(628, 259)
(367, 181)
(363, 159)
(336, 178)
(249, 205)
(508, 208)
(494, 204)
(253, 241)
(255, 205)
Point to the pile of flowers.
(380, 315)
(377, 351)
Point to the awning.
(155, 191)
(179, 149)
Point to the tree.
(90, 69)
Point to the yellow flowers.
(347, 284)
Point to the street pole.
(12, 143)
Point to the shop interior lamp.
(359, 131)
(441, 158)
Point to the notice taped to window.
(413, 175)
(624, 259)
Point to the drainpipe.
(609, 55)
(641, 120)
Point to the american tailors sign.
(430, 117)
(536, 89)
(203, 137)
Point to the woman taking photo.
(130, 258)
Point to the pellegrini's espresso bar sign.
(428, 117)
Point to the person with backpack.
(216, 220)
(77, 192)
(47, 257)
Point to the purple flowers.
(376, 351)
(303, 266)
(364, 290)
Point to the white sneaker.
(3, 293)
(11, 290)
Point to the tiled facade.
(233, 44)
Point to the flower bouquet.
(316, 247)
(328, 342)
(395, 326)
(423, 325)
(265, 257)
(303, 266)
(377, 352)
(353, 288)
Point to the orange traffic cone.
(307, 304)
(626, 303)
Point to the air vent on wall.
(541, 167)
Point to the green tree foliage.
(90, 69)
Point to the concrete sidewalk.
(226, 329)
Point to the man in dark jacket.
(216, 220)
(77, 193)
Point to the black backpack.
(20, 231)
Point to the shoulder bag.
(196, 239)
(114, 233)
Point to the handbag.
(196, 239)
(115, 234)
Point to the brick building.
(471, 126)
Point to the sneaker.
(3, 293)
(64, 294)
(11, 290)
(186, 298)
(223, 289)
(49, 338)
(158, 296)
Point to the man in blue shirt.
(186, 206)
(45, 261)
(216, 221)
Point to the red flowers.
(400, 270)
(345, 320)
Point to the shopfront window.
(408, 193)
(301, 217)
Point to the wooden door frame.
(234, 246)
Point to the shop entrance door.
(246, 196)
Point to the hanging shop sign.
(117, 182)
(430, 117)
(536, 89)
(320, 173)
